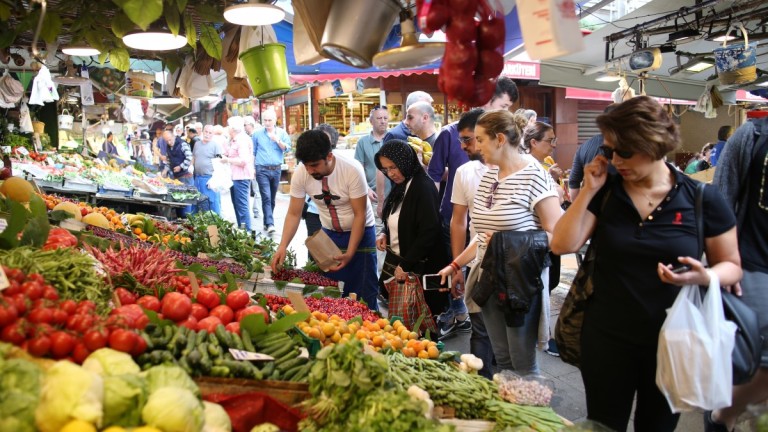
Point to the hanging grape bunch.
(475, 33)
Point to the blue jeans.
(480, 344)
(188, 210)
(214, 201)
(359, 275)
(240, 192)
(269, 181)
(514, 347)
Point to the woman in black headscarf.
(411, 218)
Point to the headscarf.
(406, 161)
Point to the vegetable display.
(304, 277)
(344, 308)
(137, 268)
(506, 414)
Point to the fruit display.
(17, 189)
(344, 308)
(303, 277)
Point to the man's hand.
(343, 260)
(381, 242)
(277, 259)
(272, 136)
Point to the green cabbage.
(216, 419)
(174, 409)
(106, 361)
(69, 392)
(169, 376)
(20, 384)
(124, 398)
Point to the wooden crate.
(290, 393)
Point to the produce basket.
(290, 393)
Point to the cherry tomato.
(176, 306)
(224, 313)
(95, 339)
(208, 298)
(85, 306)
(238, 299)
(80, 322)
(33, 290)
(50, 293)
(68, 306)
(8, 314)
(21, 303)
(14, 333)
(39, 346)
(80, 353)
(122, 340)
(62, 344)
(40, 315)
(199, 311)
(59, 317)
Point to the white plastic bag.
(694, 356)
(221, 179)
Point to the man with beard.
(420, 119)
(338, 187)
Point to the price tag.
(247, 355)
(4, 283)
(22, 151)
(193, 282)
(353, 296)
(303, 352)
(136, 193)
(213, 234)
(298, 301)
(3, 224)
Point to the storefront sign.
(521, 70)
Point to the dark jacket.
(512, 269)
(180, 155)
(419, 228)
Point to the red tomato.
(33, 290)
(233, 327)
(176, 306)
(149, 302)
(36, 277)
(80, 322)
(238, 299)
(8, 314)
(40, 315)
(20, 302)
(250, 310)
(122, 340)
(96, 339)
(39, 346)
(59, 317)
(43, 329)
(120, 321)
(126, 297)
(62, 344)
(199, 311)
(14, 333)
(224, 313)
(209, 324)
(140, 347)
(50, 293)
(13, 288)
(190, 323)
(208, 298)
(80, 353)
(85, 306)
(83, 211)
(68, 306)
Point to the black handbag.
(748, 341)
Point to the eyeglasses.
(551, 141)
(609, 151)
(489, 200)
(466, 139)
(386, 171)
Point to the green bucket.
(267, 70)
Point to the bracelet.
(456, 268)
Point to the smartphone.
(680, 268)
(432, 282)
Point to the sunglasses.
(609, 151)
(489, 200)
(466, 139)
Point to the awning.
(598, 95)
(303, 79)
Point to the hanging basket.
(65, 121)
(38, 127)
(267, 70)
(736, 64)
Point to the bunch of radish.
(473, 56)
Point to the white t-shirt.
(465, 184)
(347, 181)
(514, 198)
(393, 222)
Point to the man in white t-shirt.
(338, 187)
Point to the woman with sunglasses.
(411, 218)
(517, 195)
(647, 227)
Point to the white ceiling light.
(154, 39)
(609, 76)
(700, 65)
(411, 53)
(80, 50)
(254, 13)
(165, 99)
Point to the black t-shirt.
(630, 301)
(753, 242)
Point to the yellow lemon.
(78, 426)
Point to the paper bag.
(550, 28)
(323, 249)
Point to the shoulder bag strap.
(698, 208)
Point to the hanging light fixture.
(80, 50)
(684, 35)
(70, 78)
(254, 13)
(156, 38)
(608, 76)
(412, 53)
(165, 98)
